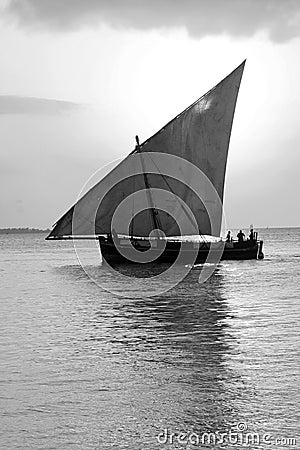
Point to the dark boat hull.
(232, 251)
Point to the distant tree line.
(22, 230)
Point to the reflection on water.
(187, 335)
(83, 368)
(177, 348)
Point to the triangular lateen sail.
(200, 135)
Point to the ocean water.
(213, 365)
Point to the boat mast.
(153, 210)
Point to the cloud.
(14, 104)
(279, 18)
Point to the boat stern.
(260, 252)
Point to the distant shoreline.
(47, 230)
(22, 230)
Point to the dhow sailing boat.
(165, 198)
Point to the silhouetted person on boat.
(251, 235)
(240, 236)
(228, 237)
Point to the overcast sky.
(79, 79)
